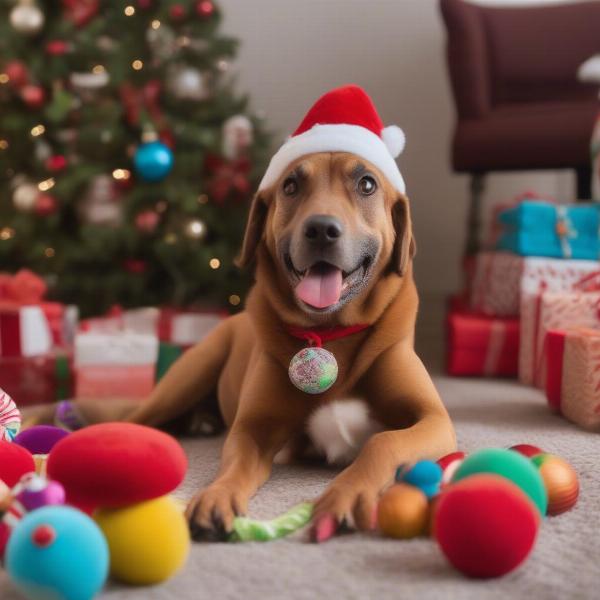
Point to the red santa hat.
(342, 120)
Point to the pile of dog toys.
(483, 510)
(75, 507)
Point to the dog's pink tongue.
(320, 287)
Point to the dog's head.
(333, 225)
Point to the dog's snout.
(322, 229)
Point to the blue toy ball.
(57, 553)
(153, 161)
(425, 474)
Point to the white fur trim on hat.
(339, 138)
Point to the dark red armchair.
(514, 78)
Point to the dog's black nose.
(322, 229)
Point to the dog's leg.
(269, 414)
(402, 395)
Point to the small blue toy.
(425, 475)
(57, 552)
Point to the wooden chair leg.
(584, 183)
(474, 214)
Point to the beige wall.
(294, 50)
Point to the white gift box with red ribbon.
(500, 280)
(24, 331)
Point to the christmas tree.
(126, 159)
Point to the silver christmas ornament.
(100, 204)
(238, 134)
(187, 83)
(89, 81)
(25, 196)
(26, 17)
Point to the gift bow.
(228, 176)
(24, 287)
(145, 98)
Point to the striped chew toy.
(10, 417)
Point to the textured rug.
(564, 564)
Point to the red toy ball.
(485, 525)
(15, 461)
(527, 450)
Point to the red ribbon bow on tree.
(227, 177)
(80, 12)
(135, 100)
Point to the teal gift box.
(538, 228)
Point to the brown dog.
(332, 241)
(246, 358)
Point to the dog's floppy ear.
(404, 243)
(254, 230)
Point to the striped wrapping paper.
(544, 312)
(10, 417)
(501, 279)
(573, 375)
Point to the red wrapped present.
(481, 345)
(37, 379)
(573, 375)
(29, 325)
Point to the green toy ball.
(511, 465)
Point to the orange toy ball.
(403, 512)
(485, 525)
(560, 480)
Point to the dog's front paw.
(210, 513)
(344, 505)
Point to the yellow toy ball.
(403, 512)
(148, 542)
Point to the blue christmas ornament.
(425, 474)
(153, 161)
(58, 553)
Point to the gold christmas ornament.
(26, 17)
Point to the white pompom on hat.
(342, 120)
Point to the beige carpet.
(565, 563)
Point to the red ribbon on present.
(145, 98)
(80, 12)
(24, 287)
(227, 177)
(554, 352)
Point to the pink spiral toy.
(10, 417)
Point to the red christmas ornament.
(177, 12)
(56, 163)
(80, 12)
(144, 4)
(146, 221)
(205, 9)
(56, 47)
(17, 73)
(45, 205)
(133, 265)
(34, 96)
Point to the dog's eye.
(290, 186)
(367, 185)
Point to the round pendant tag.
(313, 370)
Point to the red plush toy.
(15, 461)
(116, 464)
(485, 525)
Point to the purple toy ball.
(33, 492)
(41, 438)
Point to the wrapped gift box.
(115, 364)
(500, 279)
(186, 328)
(543, 312)
(480, 345)
(37, 379)
(573, 375)
(24, 331)
(536, 228)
